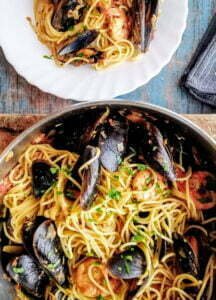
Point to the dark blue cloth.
(200, 76)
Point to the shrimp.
(118, 23)
(92, 267)
(203, 197)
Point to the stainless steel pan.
(11, 154)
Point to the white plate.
(25, 53)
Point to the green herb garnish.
(18, 270)
(127, 267)
(100, 297)
(142, 167)
(59, 192)
(48, 56)
(137, 238)
(71, 28)
(114, 194)
(80, 54)
(54, 170)
(99, 209)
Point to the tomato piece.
(202, 197)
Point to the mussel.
(42, 242)
(187, 259)
(150, 146)
(129, 264)
(28, 274)
(42, 178)
(82, 41)
(144, 15)
(89, 175)
(113, 141)
(67, 13)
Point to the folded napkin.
(200, 76)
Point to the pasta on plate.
(123, 217)
(97, 32)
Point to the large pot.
(178, 123)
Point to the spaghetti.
(133, 207)
(98, 32)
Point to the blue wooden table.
(17, 96)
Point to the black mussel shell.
(82, 41)
(42, 178)
(28, 230)
(144, 14)
(48, 251)
(129, 264)
(62, 19)
(151, 12)
(113, 142)
(28, 274)
(89, 175)
(187, 260)
(149, 143)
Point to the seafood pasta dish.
(122, 207)
(97, 32)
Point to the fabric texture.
(200, 76)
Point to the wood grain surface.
(17, 96)
(12, 125)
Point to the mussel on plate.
(67, 13)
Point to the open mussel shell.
(186, 258)
(144, 17)
(62, 19)
(113, 142)
(42, 178)
(129, 264)
(89, 174)
(82, 41)
(48, 251)
(28, 274)
(149, 143)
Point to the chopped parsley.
(69, 194)
(127, 267)
(100, 297)
(80, 54)
(18, 270)
(142, 167)
(97, 263)
(71, 28)
(66, 170)
(165, 167)
(148, 180)
(48, 56)
(53, 266)
(114, 194)
(59, 192)
(99, 209)
(128, 170)
(54, 170)
(116, 177)
(137, 238)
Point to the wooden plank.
(12, 125)
(17, 96)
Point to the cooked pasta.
(98, 32)
(134, 208)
